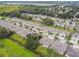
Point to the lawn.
(21, 40)
(43, 51)
(8, 8)
(3, 17)
(12, 49)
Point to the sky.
(39, 0)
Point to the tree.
(56, 38)
(29, 18)
(4, 32)
(32, 41)
(78, 41)
(68, 37)
(53, 53)
(74, 28)
(48, 21)
(18, 15)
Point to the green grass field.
(10, 48)
(43, 51)
(21, 40)
(8, 8)
(3, 17)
